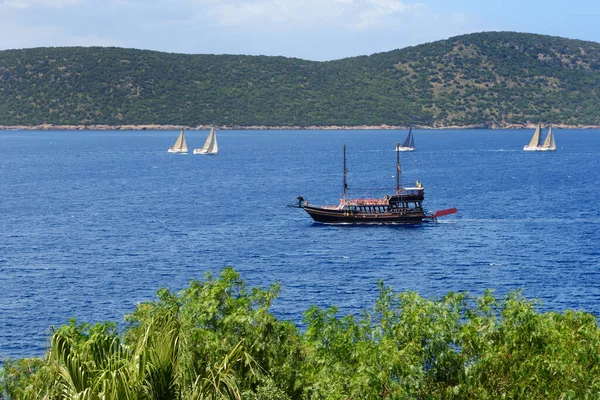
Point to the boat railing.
(365, 202)
(412, 191)
(408, 194)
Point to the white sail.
(184, 148)
(180, 145)
(536, 140)
(210, 145)
(214, 147)
(549, 143)
(552, 145)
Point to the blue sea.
(93, 222)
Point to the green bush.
(217, 339)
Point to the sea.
(94, 222)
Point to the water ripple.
(92, 223)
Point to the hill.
(483, 79)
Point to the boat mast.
(345, 172)
(398, 170)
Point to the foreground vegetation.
(217, 339)
(484, 79)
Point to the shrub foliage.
(217, 339)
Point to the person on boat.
(300, 200)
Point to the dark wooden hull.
(330, 216)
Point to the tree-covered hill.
(484, 79)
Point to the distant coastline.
(484, 80)
(153, 127)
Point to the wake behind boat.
(408, 144)
(180, 145)
(210, 145)
(535, 144)
(405, 206)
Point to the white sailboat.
(535, 144)
(549, 144)
(409, 142)
(210, 145)
(180, 145)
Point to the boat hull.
(177, 151)
(538, 148)
(197, 151)
(405, 149)
(333, 216)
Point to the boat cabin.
(404, 200)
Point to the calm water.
(93, 222)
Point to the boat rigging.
(404, 206)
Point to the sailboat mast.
(345, 172)
(398, 169)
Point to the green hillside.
(484, 79)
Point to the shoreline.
(152, 127)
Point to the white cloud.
(357, 14)
(459, 18)
(311, 29)
(334, 23)
(348, 15)
(48, 36)
(378, 12)
(42, 3)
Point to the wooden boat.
(180, 145)
(405, 206)
(210, 145)
(409, 142)
(535, 144)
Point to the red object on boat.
(441, 213)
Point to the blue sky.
(309, 29)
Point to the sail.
(552, 145)
(183, 146)
(178, 142)
(549, 143)
(412, 140)
(210, 145)
(207, 142)
(536, 139)
(407, 141)
(213, 148)
(180, 145)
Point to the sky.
(318, 30)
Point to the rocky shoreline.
(51, 127)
